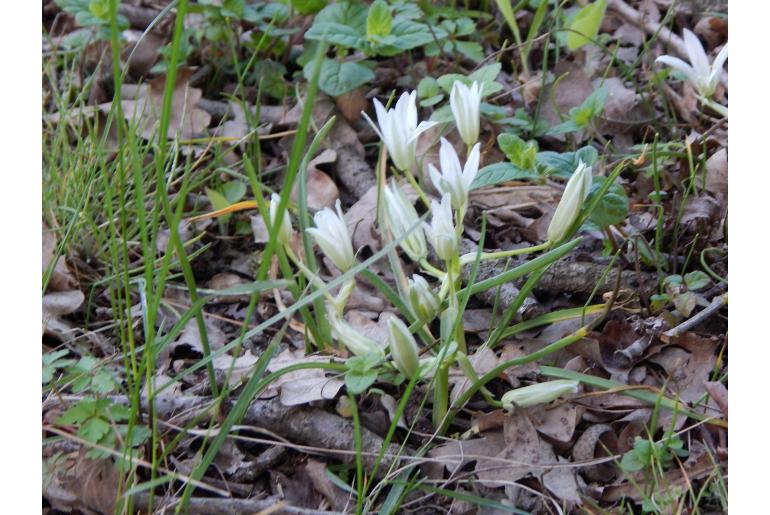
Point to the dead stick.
(696, 319)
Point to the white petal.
(422, 127)
(472, 165)
(371, 122)
(697, 55)
(678, 64)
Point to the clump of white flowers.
(421, 302)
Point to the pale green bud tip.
(540, 393)
(354, 341)
(403, 348)
(424, 302)
(577, 189)
(284, 233)
(401, 217)
(442, 232)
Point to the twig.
(696, 319)
(218, 506)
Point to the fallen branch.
(220, 506)
(326, 432)
(696, 319)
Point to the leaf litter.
(565, 452)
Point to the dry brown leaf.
(569, 92)
(524, 450)
(557, 422)
(321, 190)
(360, 219)
(186, 121)
(562, 483)
(301, 386)
(190, 339)
(457, 453)
(61, 278)
(143, 51)
(483, 361)
(337, 497)
(716, 173)
(351, 104)
(242, 366)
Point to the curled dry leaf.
(187, 120)
(61, 277)
(321, 190)
(301, 386)
(483, 361)
(524, 453)
(190, 339)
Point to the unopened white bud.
(577, 189)
(284, 233)
(400, 215)
(403, 348)
(539, 393)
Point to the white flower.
(576, 191)
(403, 348)
(398, 129)
(539, 393)
(466, 106)
(400, 216)
(442, 232)
(355, 342)
(704, 76)
(284, 233)
(331, 234)
(424, 302)
(453, 179)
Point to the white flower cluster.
(399, 129)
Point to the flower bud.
(465, 103)
(355, 342)
(453, 179)
(577, 189)
(539, 393)
(284, 233)
(331, 234)
(424, 302)
(403, 348)
(401, 216)
(442, 232)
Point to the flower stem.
(471, 257)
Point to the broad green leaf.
(564, 164)
(308, 6)
(379, 21)
(612, 208)
(501, 172)
(428, 87)
(406, 35)
(94, 429)
(338, 78)
(358, 381)
(696, 280)
(586, 24)
(342, 24)
(234, 191)
(519, 152)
